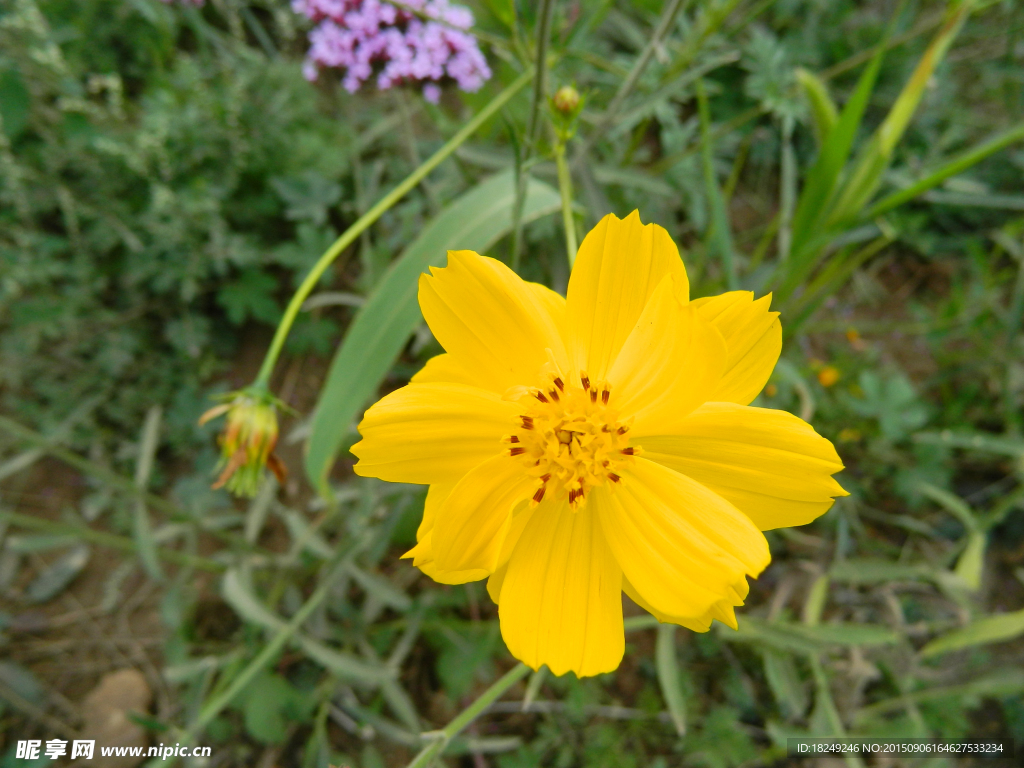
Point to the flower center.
(570, 438)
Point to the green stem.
(368, 218)
(540, 68)
(430, 752)
(565, 189)
(216, 705)
(665, 24)
(103, 539)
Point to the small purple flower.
(418, 41)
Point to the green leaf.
(864, 571)
(56, 577)
(251, 295)
(788, 689)
(668, 676)
(15, 103)
(802, 638)
(475, 221)
(991, 629)
(267, 703)
(979, 441)
(823, 109)
(824, 174)
(971, 563)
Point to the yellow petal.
(422, 554)
(472, 522)
(683, 548)
(722, 610)
(490, 320)
(447, 369)
(560, 600)
(432, 433)
(753, 336)
(770, 464)
(694, 624)
(618, 266)
(668, 366)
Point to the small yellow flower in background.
(849, 435)
(853, 336)
(581, 447)
(771, 390)
(828, 376)
(247, 443)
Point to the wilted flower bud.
(566, 100)
(247, 443)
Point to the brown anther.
(516, 451)
(559, 383)
(604, 396)
(514, 439)
(605, 428)
(585, 380)
(540, 396)
(613, 477)
(606, 463)
(628, 451)
(593, 395)
(575, 494)
(622, 430)
(527, 422)
(539, 494)
(545, 477)
(554, 395)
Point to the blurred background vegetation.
(167, 177)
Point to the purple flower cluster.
(416, 41)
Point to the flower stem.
(540, 67)
(368, 218)
(565, 189)
(430, 752)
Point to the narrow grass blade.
(951, 168)
(788, 689)
(143, 529)
(866, 175)
(475, 221)
(823, 176)
(978, 441)
(991, 629)
(720, 234)
(823, 109)
(668, 676)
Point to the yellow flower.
(602, 443)
(828, 376)
(247, 443)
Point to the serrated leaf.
(991, 629)
(475, 221)
(668, 676)
(250, 295)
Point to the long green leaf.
(824, 174)
(823, 109)
(668, 676)
(954, 166)
(474, 221)
(991, 629)
(874, 159)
